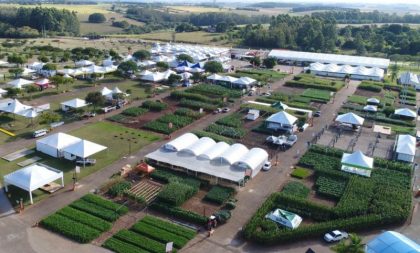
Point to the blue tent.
(392, 242)
(185, 64)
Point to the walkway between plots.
(5, 206)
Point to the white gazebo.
(82, 149)
(285, 218)
(357, 163)
(373, 101)
(350, 118)
(15, 107)
(281, 121)
(405, 112)
(19, 83)
(73, 104)
(405, 148)
(33, 177)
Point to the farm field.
(186, 37)
(200, 9)
(115, 137)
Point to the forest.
(31, 22)
(358, 17)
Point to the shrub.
(154, 105)
(219, 194)
(230, 205)
(176, 193)
(70, 228)
(85, 218)
(301, 173)
(296, 189)
(134, 111)
(119, 188)
(223, 216)
(159, 234)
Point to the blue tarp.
(185, 64)
(392, 242)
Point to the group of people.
(211, 225)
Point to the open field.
(186, 37)
(80, 9)
(181, 9)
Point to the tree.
(174, 78)
(394, 71)
(49, 117)
(213, 67)
(162, 65)
(97, 18)
(95, 98)
(17, 59)
(270, 62)
(58, 80)
(185, 57)
(49, 66)
(43, 58)
(196, 77)
(141, 55)
(127, 67)
(222, 27)
(31, 89)
(16, 72)
(354, 246)
(256, 61)
(13, 92)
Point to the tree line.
(31, 22)
(357, 17)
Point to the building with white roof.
(341, 71)
(307, 57)
(208, 159)
(405, 148)
(405, 112)
(32, 177)
(410, 79)
(350, 118)
(19, 83)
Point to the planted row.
(170, 227)
(179, 213)
(219, 194)
(230, 132)
(99, 201)
(85, 218)
(159, 234)
(95, 210)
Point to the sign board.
(170, 125)
(169, 247)
(77, 169)
(201, 110)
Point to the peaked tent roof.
(282, 118)
(84, 148)
(358, 160)
(409, 78)
(406, 144)
(29, 113)
(405, 112)
(215, 77)
(18, 83)
(370, 108)
(373, 100)
(350, 118)
(116, 90)
(392, 242)
(15, 107)
(32, 177)
(75, 103)
(59, 140)
(105, 91)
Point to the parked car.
(217, 111)
(266, 94)
(266, 166)
(225, 110)
(39, 133)
(317, 114)
(335, 236)
(291, 140)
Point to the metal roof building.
(371, 62)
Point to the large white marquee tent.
(359, 73)
(371, 62)
(33, 177)
(206, 157)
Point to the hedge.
(95, 210)
(179, 213)
(154, 105)
(140, 241)
(170, 227)
(176, 193)
(70, 228)
(121, 247)
(119, 188)
(85, 218)
(134, 111)
(159, 234)
(219, 194)
(101, 202)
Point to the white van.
(39, 133)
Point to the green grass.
(261, 75)
(301, 173)
(200, 37)
(105, 133)
(361, 100)
(296, 189)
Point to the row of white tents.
(359, 73)
(197, 52)
(242, 82)
(92, 69)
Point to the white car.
(266, 166)
(335, 236)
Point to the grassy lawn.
(115, 137)
(361, 100)
(79, 8)
(262, 75)
(186, 37)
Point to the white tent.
(2, 92)
(350, 118)
(197, 70)
(15, 107)
(229, 79)
(82, 149)
(357, 163)
(54, 144)
(19, 83)
(29, 113)
(405, 148)
(146, 72)
(36, 65)
(116, 90)
(370, 108)
(153, 77)
(84, 63)
(373, 101)
(359, 73)
(215, 77)
(146, 63)
(27, 72)
(285, 218)
(32, 177)
(410, 79)
(73, 103)
(107, 62)
(405, 112)
(106, 92)
(281, 120)
(183, 69)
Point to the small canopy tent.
(54, 144)
(392, 242)
(19, 83)
(153, 77)
(370, 108)
(285, 218)
(106, 92)
(281, 120)
(15, 107)
(405, 112)
(357, 163)
(82, 149)
(350, 118)
(405, 148)
(73, 104)
(373, 101)
(43, 83)
(33, 177)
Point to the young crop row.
(161, 125)
(214, 91)
(170, 227)
(296, 189)
(330, 187)
(231, 132)
(159, 234)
